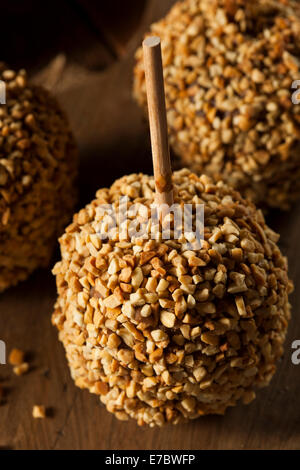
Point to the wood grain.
(114, 140)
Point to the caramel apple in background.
(38, 166)
(229, 68)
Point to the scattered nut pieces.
(16, 357)
(21, 369)
(39, 411)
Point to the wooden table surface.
(92, 79)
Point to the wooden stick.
(158, 121)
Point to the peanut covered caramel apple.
(163, 333)
(229, 66)
(38, 161)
